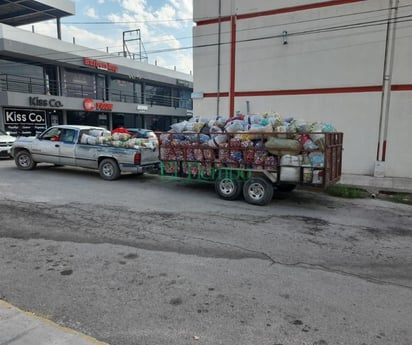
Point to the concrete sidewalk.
(22, 328)
(376, 184)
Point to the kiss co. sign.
(90, 105)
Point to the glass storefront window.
(101, 87)
(82, 118)
(21, 77)
(122, 91)
(185, 99)
(138, 92)
(79, 84)
(182, 98)
(158, 95)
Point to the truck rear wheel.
(258, 191)
(24, 160)
(228, 188)
(109, 170)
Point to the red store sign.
(100, 64)
(90, 105)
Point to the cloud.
(91, 12)
(170, 14)
(165, 42)
(166, 15)
(137, 7)
(184, 8)
(162, 30)
(87, 38)
(47, 28)
(81, 36)
(185, 62)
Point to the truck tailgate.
(149, 155)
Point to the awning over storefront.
(22, 12)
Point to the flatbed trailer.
(248, 167)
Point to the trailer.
(253, 164)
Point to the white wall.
(205, 59)
(358, 119)
(313, 60)
(206, 9)
(398, 155)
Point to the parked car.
(142, 133)
(6, 142)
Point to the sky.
(165, 29)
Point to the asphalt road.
(151, 261)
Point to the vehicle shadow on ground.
(77, 171)
(208, 187)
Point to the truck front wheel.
(109, 170)
(258, 191)
(24, 160)
(228, 188)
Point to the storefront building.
(45, 81)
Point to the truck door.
(47, 148)
(86, 154)
(67, 146)
(56, 146)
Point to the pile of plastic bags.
(116, 138)
(248, 127)
(253, 141)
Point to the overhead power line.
(247, 29)
(132, 22)
(211, 18)
(382, 22)
(328, 29)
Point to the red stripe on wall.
(213, 21)
(405, 87)
(215, 94)
(331, 90)
(354, 89)
(280, 11)
(297, 8)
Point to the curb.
(19, 327)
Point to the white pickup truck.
(65, 145)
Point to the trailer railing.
(197, 156)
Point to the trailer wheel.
(258, 191)
(109, 170)
(24, 160)
(228, 188)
